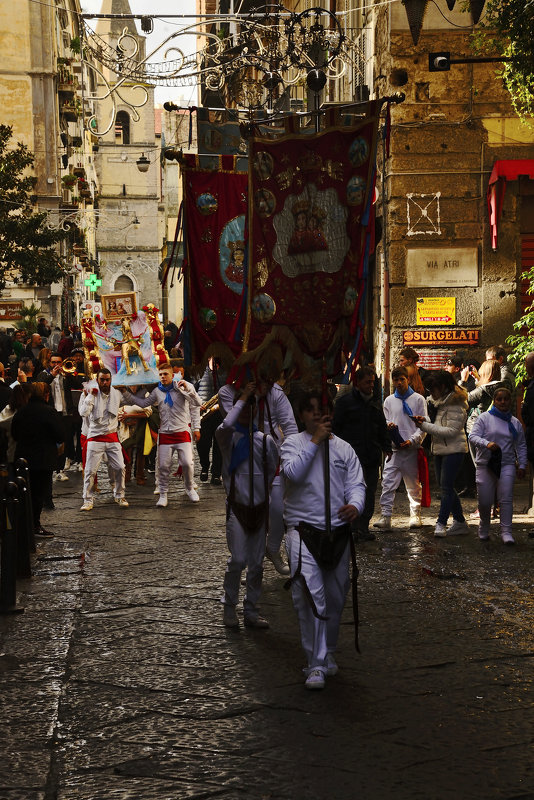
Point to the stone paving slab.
(120, 681)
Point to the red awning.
(509, 170)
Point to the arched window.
(123, 284)
(122, 127)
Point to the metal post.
(24, 530)
(8, 562)
(22, 471)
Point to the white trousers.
(329, 589)
(276, 516)
(401, 466)
(487, 483)
(95, 453)
(246, 552)
(185, 459)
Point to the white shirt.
(394, 412)
(227, 437)
(102, 416)
(302, 467)
(282, 417)
(184, 412)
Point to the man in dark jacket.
(360, 421)
(38, 431)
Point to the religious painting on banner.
(215, 266)
(310, 234)
(128, 347)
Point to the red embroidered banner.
(310, 210)
(215, 210)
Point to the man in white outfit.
(246, 515)
(179, 410)
(399, 410)
(100, 408)
(275, 416)
(319, 566)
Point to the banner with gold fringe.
(311, 232)
(215, 203)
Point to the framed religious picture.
(117, 306)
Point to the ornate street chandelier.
(249, 59)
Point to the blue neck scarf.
(241, 449)
(506, 418)
(167, 391)
(405, 407)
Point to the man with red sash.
(179, 410)
(99, 407)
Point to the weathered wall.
(445, 139)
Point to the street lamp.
(142, 163)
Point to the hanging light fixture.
(143, 163)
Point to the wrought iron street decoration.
(257, 56)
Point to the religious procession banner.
(215, 203)
(310, 207)
(130, 346)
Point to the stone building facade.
(131, 232)
(439, 284)
(44, 95)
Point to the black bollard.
(22, 471)
(25, 532)
(8, 559)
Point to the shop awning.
(505, 170)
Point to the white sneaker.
(193, 495)
(79, 466)
(162, 502)
(278, 563)
(68, 464)
(458, 528)
(415, 521)
(87, 505)
(440, 530)
(122, 502)
(384, 523)
(60, 476)
(156, 490)
(315, 679)
(331, 666)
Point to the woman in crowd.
(38, 431)
(449, 446)
(500, 452)
(44, 360)
(479, 399)
(408, 358)
(20, 396)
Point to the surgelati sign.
(432, 338)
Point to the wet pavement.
(120, 681)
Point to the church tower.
(130, 227)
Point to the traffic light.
(439, 62)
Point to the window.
(123, 284)
(122, 127)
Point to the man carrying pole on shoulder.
(179, 409)
(99, 406)
(320, 562)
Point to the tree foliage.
(28, 251)
(522, 342)
(507, 29)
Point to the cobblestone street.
(120, 681)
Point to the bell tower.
(130, 224)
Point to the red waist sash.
(179, 437)
(110, 437)
(105, 437)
